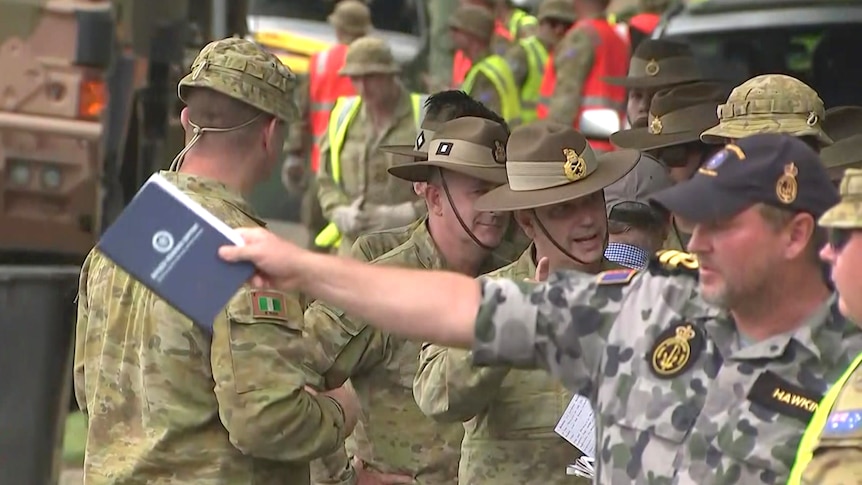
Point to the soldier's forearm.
(433, 306)
(334, 469)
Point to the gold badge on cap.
(655, 126)
(652, 68)
(575, 167)
(499, 152)
(787, 187)
(675, 350)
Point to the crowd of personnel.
(490, 263)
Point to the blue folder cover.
(169, 243)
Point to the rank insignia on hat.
(616, 277)
(444, 148)
(268, 304)
(575, 167)
(786, 188)
(675, 350)
(420, 140)
(652, 68)
(499, 152)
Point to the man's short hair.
(448, 105)
(211, 109)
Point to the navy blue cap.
(778, 170)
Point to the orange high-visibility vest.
(611, 58)
(461, 65)
(645, 22)
(325, 86)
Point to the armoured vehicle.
(735, 40)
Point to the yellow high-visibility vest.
(498, 71)
(812, 433)
(343, 113)
(518, 20)
(537, 57)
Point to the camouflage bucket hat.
(246, 72)
(848, 213)
(550, 163)
(369, 55)
(471, 146)
(351, 16)
(676, 116)
(474, 20)
(843, 125)
(771, 103)
(658, 64)
(557, 10)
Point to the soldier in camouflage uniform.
(704, 376)
(168, 402)
(440, 107)
(518, 24)
(394, 440)
(677, 116)
(843, 124)
(509, 415)
(359, 196)
(771, 103)
(656, 64)
(831, 449)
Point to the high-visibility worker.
(490, 78)
(528, 57)
(355, 191)
(510, 26)
(578, 96)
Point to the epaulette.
(673, 262)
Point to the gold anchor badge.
(575, 167)
(674, 353)
(787, 187)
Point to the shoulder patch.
(268, 304)
(671, 261)
(616, 277)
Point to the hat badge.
(655, 126)
(420, 140)
(499, 152)
(787, 188)
(575, 167)
(652, 68)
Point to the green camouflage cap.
(369, 55)
(557, 10)
(771, 103)
(245, 71)
(351, 16)
(848, 213)
(474, 20)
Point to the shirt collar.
(210, 188)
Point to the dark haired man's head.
(449, 105)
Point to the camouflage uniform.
(363, 164)
(573, 60)
(381, 366)
(168, 403)
(679, 396)
(440, 48)
(832, 445)
(509, 415)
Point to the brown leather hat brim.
(641, 139)
(646, 82)
(841, 155)
(612, 166)
(419, 171)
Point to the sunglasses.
(839, 237)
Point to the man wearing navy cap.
(702, 374)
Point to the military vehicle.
(735, 40)
(88, 100)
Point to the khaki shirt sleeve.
(329, 194)
(516, 57)
(448, 388)
(299, 136)
(259, 382)
(485, 92)
(573, 60)
(83, 312)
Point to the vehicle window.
(822, 57)
(394, 15)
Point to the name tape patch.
(776, 394)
